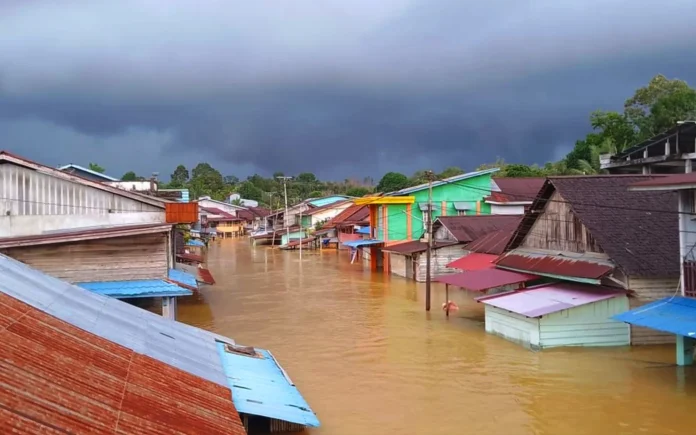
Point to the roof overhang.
(508, 202)
(385, 200)
(80, 234)
(583, 268)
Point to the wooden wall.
(557, 228)
(116, 259)
(439, 260)
(649, 290)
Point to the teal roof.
(260, 387)
(319, 202)
(88, 171)
(148, 288)
(454, 179)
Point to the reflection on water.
(370, 360)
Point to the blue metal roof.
(363, 230)
(364, 242)
(194, 242)
(185, 347)
(89, 171)
(319, 202)
(676, 315)
(148, 288)
(183, 277)
(260, 387)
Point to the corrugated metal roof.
(493, 243)
(261, 387)
(88, 233)
(454, 179)
(190, 349)
(88, 171)
(59, 378)
(416, 246)
(474, 261)
(668, 182)
(191, 257)
(676, 315)
(468, 228)
(522, 189)
(552, 264)
(205, 276)
(484, 279)
(184, 278)
(147, 288)
(550, 298)
(362, 242)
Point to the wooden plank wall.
(116, 259)
(439, 260)
(558, 229)
(648, 290)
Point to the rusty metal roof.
(668, 182)
(416, 246)
(469, 228)
(485, 279)
(57, 377)
(555, 265)
(205, 276)
(638, 230)
(493, 243)
(474, 261)
(191, 257)
(353, 215)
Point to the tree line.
(652, 109)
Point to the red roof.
(485, 279)
(59, 378)
(555, 265)
(191, 257)
(297, 242)
(205, 276)
(217, 212)
(523, 189)
(353, 215)
(469, 228)
(493, 243)
(415, 246)
(474, 261)
(668, 182)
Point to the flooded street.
(370, 360)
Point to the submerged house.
(344, 226)
(675, 314)
(114, 367)
(593, 230)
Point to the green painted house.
(455, 196)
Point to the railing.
(690, 279)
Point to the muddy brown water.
(370, 360)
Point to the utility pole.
(301, 232)
(285, 191)
(429, 232)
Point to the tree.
(638, 108)
(306, 177)
(677, 106)
(238, 201)
(392, 181)
(450, 172)
(231, 179)
(180, 177)
(96, 168)
(357, 191)
(206, 180)
(248, 190)
(129, 176)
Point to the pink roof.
(474, 261)
(549, 298)
(484, 279)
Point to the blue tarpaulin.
(194, 242)
(260, 387)
(676, 315)
(363, 230)
(148, 288)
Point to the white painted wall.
(507, 209)
(329, 213)
(229, 208)
(15, 226)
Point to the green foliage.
(248, 190)
(206, 180)
(392, 181)
(129, 176)
(450, 172)
(96, 168)
(306, 177)
(179, 178)
(358, 191)
(238, 201)
(231, 179)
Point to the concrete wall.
(507, 209)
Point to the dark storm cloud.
(336, 88)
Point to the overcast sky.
(339, 88)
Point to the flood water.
(370, 360)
